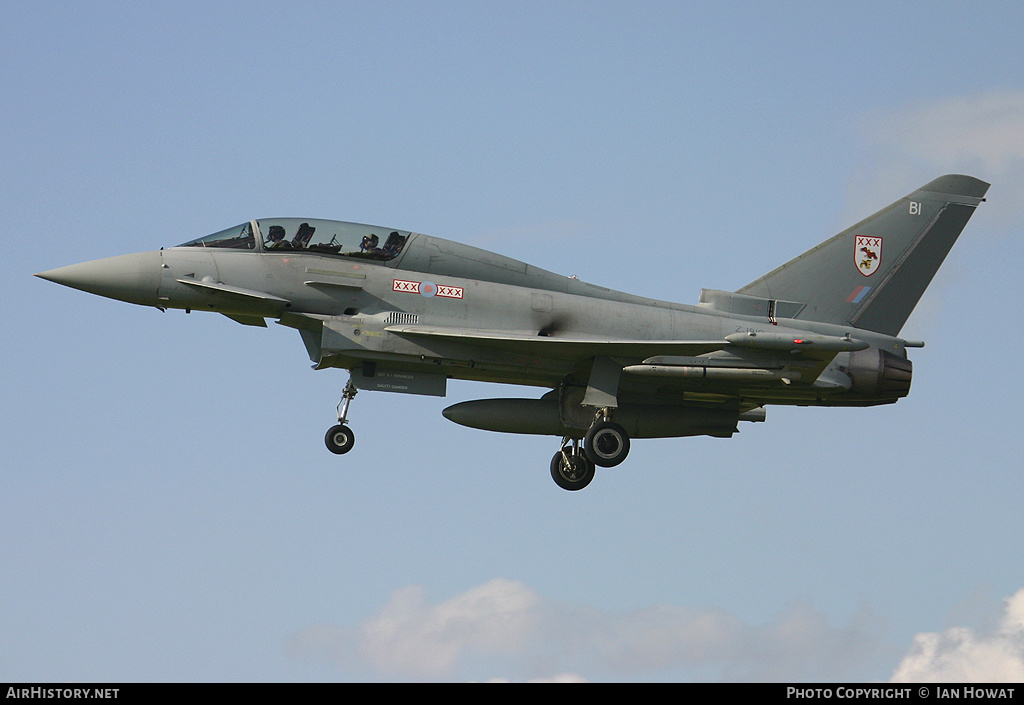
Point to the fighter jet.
(405, 312)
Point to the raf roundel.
(428, 289)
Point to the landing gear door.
(375, 377)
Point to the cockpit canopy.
(330, 237)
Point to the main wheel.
(606, 444)
(340, 439)
(574, 474)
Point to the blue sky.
(169, 512)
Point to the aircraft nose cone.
(132, 278)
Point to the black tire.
(340, 439)
(606, 444)
(573, 476)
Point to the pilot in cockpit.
(369, 243)
(275, 239)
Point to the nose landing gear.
(341, 438)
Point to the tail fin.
(873, 274)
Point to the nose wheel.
(340, 438)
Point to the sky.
(168, 510)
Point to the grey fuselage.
(405, 313)
(352, 311)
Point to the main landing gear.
(606, 445)
(341, 438)
(571, 469)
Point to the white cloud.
(412, 638)
(961, 655)
(508, 626)
(409, 635)
(981, 130)
(980, 134)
